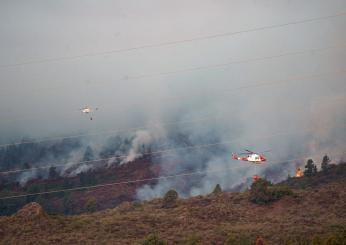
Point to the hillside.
(76, 202)
(316, 211)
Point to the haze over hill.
(300, 114)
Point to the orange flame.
(299, 173)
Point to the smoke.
(26, 176)
(327, 128)
(296, 115)
(142, 139)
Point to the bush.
(193, 240)
(263, 192)
(170, 199)
(259, 191)
(277, 192)
(296, 241)
(91, 205)
(153, 239)
(332, 239)
(326, 239)
(238, 240)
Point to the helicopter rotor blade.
(249, 151)
(266, 151)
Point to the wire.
(171, 43)
(241, 61)
(116, 131)
(136, 181)
(114, 157)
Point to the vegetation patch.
(170, 199)
(263, 192)
(153, 239)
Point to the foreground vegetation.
(309, 215)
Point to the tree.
(325, 164)
(217, 189)
(87, 178)
(310, 168)
(26, 165)
(53, 173)
(88, 154)
(67, 204)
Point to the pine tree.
(89, 154)
(53, 173)
(325, 163)
(310, 168)
(67, 204)
(217, 189)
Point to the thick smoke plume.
(172, 96)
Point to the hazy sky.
(42, 99)
(42, 89)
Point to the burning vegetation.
(299, 173)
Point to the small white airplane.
(88, 110)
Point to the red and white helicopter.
(252, 157)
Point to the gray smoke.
(295, 116)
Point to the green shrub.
(263, 192)
(170, 199)
(296, 241)
(193, 240)
(239, 239)
(153, 239)
(326, 239)
(91, 205)
(277, 192)
(259, 191)
(329, 239)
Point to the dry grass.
(199, 220)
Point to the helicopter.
(250, 156)
(88, 110)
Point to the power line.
(133, 181)
(176, 42)
(115, 157)
(116, 131)
(241, 61)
